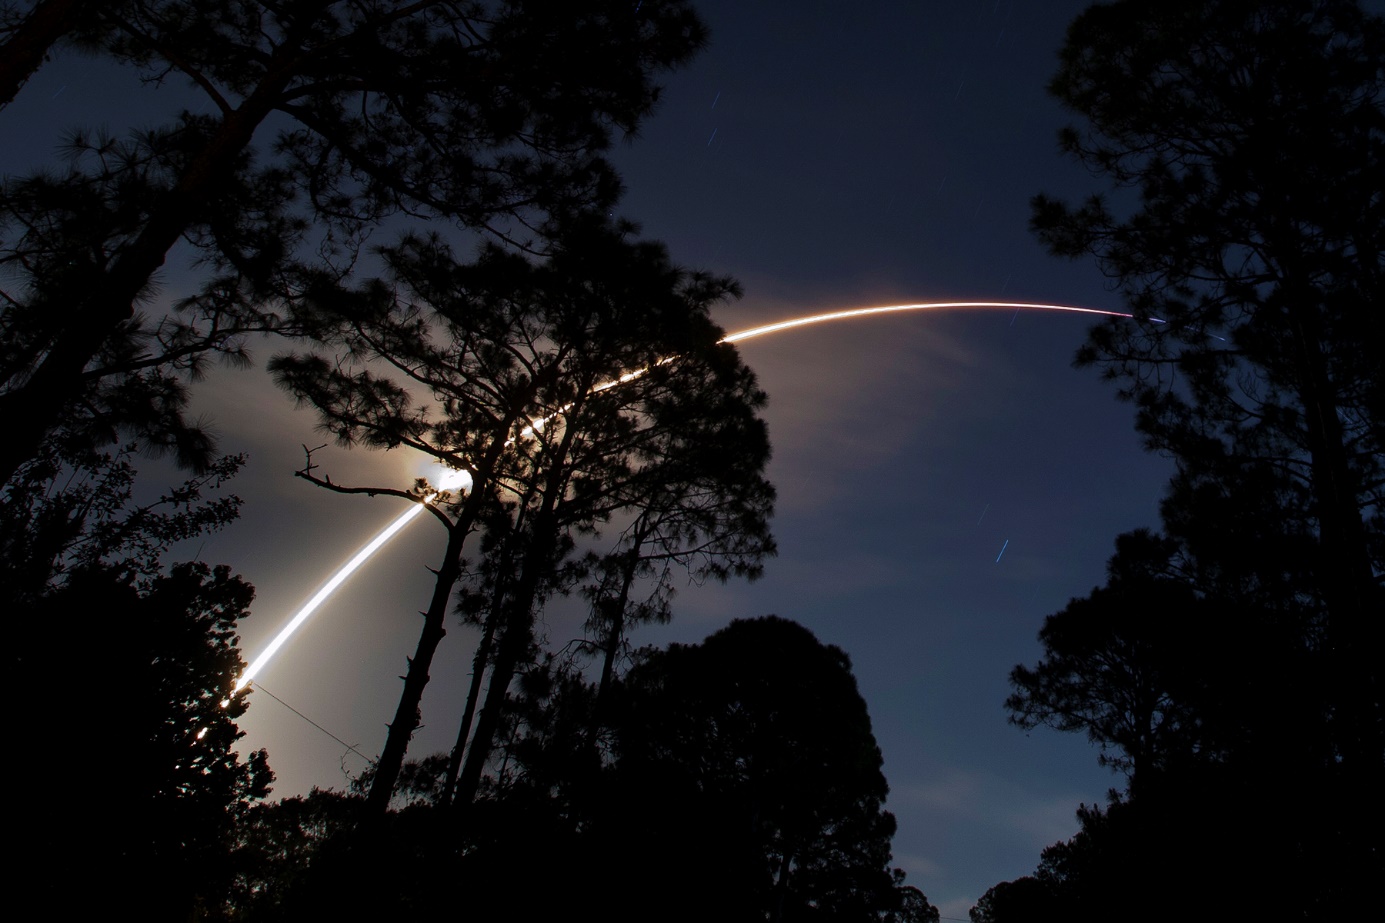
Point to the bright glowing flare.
(449, 479)
(454, 479)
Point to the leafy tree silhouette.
(1233, 663)
(516, 356)
(128, 661)
(327, 119)
(739, 779)
(162, 806)
(757, 749)
(1251, 132)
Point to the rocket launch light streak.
(898, 308)
(447, 481)
(374, 545)
(455, 478)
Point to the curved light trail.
(898, 308)
(455, 478)
(447, 481)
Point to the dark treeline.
(1231, 666)
(737, 779)
(734, 779)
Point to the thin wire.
(348, 746)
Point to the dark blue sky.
(834, 155)
(829, 155)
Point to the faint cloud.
(918, 867)
(1046, 821)
(959, 793)
(983, 798)
(836, 406)
(849, 570)
(955, 909)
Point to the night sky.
(829, 155)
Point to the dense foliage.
(1231, 666)
(324, 118)
(612, 441)
(736, 779)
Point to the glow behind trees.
(461, 479)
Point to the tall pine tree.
(570, 390)
(1240, 651)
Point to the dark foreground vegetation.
(1230, 667)
(736, 779)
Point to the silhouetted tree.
(702, 508)
(519, 357)
(152, 796)
(696, 501)
(1024, 900)
(749, 764)
(1233, 663)
(124, 664)
(278, 848)
(742, 782)
(1160, 674)
(1253, 134)
(328, 117)
(72, 509)
(1114, 662)
(738, 780)
(30, 33)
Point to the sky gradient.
(828, 155)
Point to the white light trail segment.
(752, 332)
(898, 308)
(374, 545)
(462, 479)
(448, 480)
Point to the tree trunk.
(473, 693)
(616, 629)
(1346, 580)
(514, 641)
(406, 715)
(481, 660)
(519, 617)
(781, 888)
